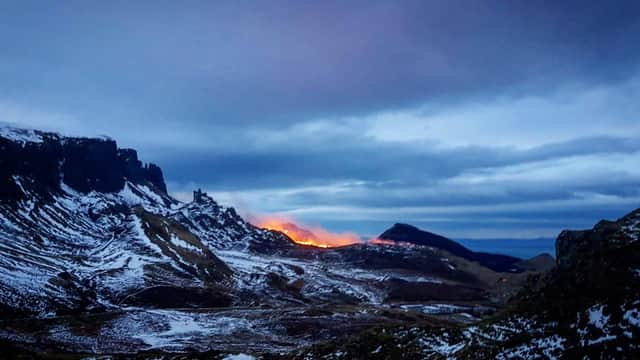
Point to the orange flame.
(305, 235)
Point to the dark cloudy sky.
(470, 118)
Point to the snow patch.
(239, 357)
(551, 347)
(175, 240)
(22, 136)
(632, 317)
(597, 318)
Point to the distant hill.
(516, 247)
(403, 233)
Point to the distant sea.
(521, 248)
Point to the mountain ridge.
(405, 233)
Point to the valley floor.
(228, 330)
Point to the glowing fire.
(305, 235)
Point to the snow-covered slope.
(79, 251)
(83, 225)
(223, 229)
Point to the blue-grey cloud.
(251, 62)
(350, 158)
(508, 118)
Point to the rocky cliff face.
(591, 300)
(579, 248)
(46, 160)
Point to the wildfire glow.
(305, 235)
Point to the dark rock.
(200, 197)
(137, 172)
(576, 247)
(37, 164)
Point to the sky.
(474, 119)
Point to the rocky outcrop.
(591, 297)
(222, 228)
(578, 248)
(596, 265)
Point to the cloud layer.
(515, 119)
